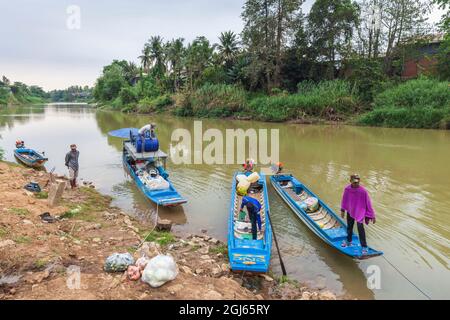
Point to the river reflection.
(405, 171)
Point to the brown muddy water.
(407, 173)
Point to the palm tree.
(228, 47)
(145, 58)
(157, 56)
(131, 71)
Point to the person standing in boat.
(72, 164)
(148, 128)
(253, 209)
(358, 206)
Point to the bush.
(421, 103)
(128, 95)
(420, 93)
(329, 99)
(421, 118)
(149, 105)
(218, 100)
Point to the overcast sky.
(37, 47)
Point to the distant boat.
(246, 254)
(148, 170)
(30, 158)
(326, 224)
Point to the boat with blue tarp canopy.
(146, 164)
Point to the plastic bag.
(310, 205)
(133, 273)
(118, 262)
(142, 262)
(160, 270)
(158, 183)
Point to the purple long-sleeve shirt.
(356, 201)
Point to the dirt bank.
(37, 258)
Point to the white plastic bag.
(160, 270)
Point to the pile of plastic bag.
(118, 262)
(160, 270)
(244, 182)
(310, 205)
(157, 183)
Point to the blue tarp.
(123, 133)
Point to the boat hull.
(30, 158)
(332, 236)
(164, 198)
(247, 254)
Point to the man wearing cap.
(253, 209)
(72, 164)
(356, 203)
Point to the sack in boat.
(158, 183)
(242, 187)
(118, 262)
(254, 177)
(160, 270)
(310, 205)
(241, 177)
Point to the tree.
(130, 72)
(198, 57)
(145, 58)
(175, 55)
(228, 48)
(331, 25)
(157, 56)
(268, 26)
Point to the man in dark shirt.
(72, 164)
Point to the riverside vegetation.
(289, 66)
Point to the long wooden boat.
(246, 254)
(324, 222)
(148, 170)
(30, 158)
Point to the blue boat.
(30, 158)
(246, 254)
(148, 169)
(323, 221)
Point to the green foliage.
(149, 105)
(163, 238)
(329, 99)
(111, 82)
(22, 212)
(72, 94)
(421, 103)
(128, 95)
(41, 195)
(367, 76)
(425, 118)
(419, 93)
(212, 101)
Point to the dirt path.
(41, 261)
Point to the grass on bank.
(420, 103)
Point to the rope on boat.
(407, 279)
(156, 223)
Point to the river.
(406, 172)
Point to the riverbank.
(421, 103)
(35, 256)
